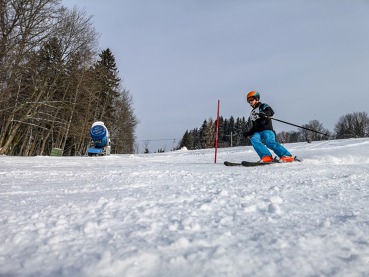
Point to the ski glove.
(263, 115)
(247, 134)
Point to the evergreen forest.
(231, 132)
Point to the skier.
(262, 130)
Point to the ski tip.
(226, 163)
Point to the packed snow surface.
(179, 214)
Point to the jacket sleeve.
(267, 110)
(251, 130)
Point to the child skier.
(262, 129)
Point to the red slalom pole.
(216, 134)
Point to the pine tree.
(114, 106)
(108, 84)
(186, 141)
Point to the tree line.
(54, 83)
(231, 132)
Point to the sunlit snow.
(179, 214)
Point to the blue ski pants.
(269, 138)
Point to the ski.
(250, 164)
(246, 164)
(226, 163)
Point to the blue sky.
(309, 59)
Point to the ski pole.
(299, 126)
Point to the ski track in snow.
(179, 214)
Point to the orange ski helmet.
(254, 94)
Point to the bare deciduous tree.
(24, 25)
(124, 124)
(353, 125)
(313, 136)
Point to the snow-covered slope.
(179, 214)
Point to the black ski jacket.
(260, 120)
